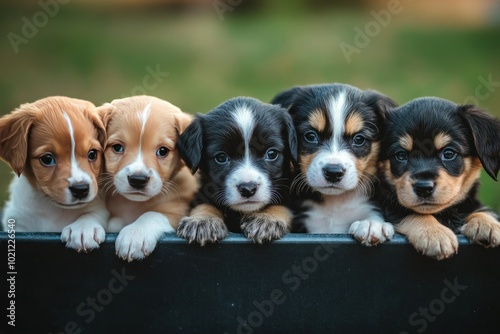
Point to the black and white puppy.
(338, 129)
(244, 149)
(432, 153)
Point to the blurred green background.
(204, 51)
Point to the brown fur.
(441, 140)
(317, 119)
(267, 225)
(483, 228)
(353, 124)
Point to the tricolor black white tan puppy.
(55, 146)
(338, 129)
(433, 153)
(148, 188)
(244, 150)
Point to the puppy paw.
(371, 232)
(438, 242)
(83, 235)
(263, 228)
(135, 243)
(482, 228)
(202, 230)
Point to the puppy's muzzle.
(423, 189)
(79, 190)
(333, 172)
(138, 181)
(247, 189)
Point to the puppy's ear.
(286, 98)
(14, 132)
(190, 144)
(99, 126)
(292, 137)
(104, 112)
(381, 104)
(182, 121)
(485, 130)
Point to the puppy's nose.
(333, 172)
(138, 181)
(79, 190)
(423, 189)
(248, 189)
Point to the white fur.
(139, 239)
(347, 213)
(77, 174)
(82, 228)
(246, 172)
(337, 109)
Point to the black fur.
(217, 132)
(474, 134)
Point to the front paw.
(263, 228)
(83, 235)
(202, 230)
(371, 232)
(135, 243)
(438, 242)
(483, 229)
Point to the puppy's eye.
(162, 152)
(48, 160)
(448, 154)
(358, 140)
(272, 154)
(92, 155)
(221, 158)
(401, 156)
(311, 137)
(118, 148)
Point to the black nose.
(423, 189)
(138, 181)
(333, 172)
(247, 189)
(79, 190)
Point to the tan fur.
(163, 127)
(368, 165)
(317, 119)
(269, 224)
(482, 228)
(306, 160)
(448, 189)
(406, 142)
(428, 236)
(353, 124)
(206, 210)
(441, 140)
(37, 128)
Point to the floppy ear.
(381, 104)
(104, 112)
(292, 137)
(485, 130)
(14, 131)
(182, 121)
(190, 144)
(286, 98)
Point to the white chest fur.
(336, 213)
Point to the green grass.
(100, 57)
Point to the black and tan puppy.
(433, 152)
(244, 150)
(338, 130)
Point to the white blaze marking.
(244, 118)
(143, 117)
(337, 108)
(77, 175)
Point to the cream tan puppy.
(148, 188)
(55, 146)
